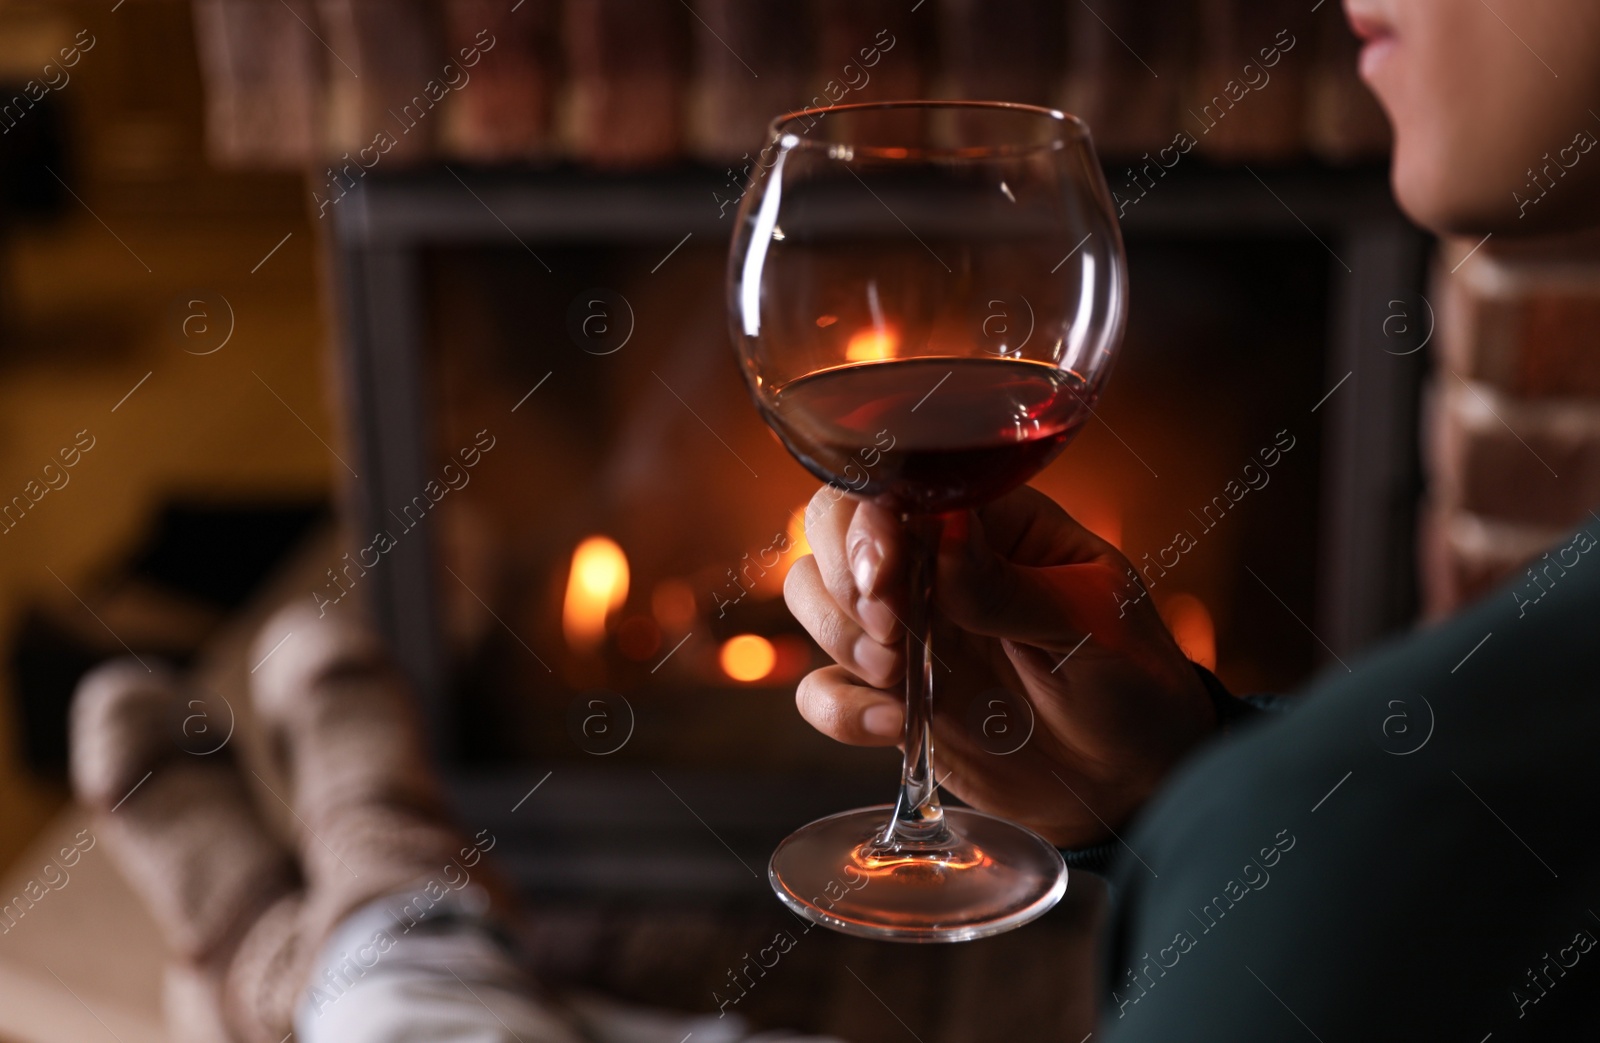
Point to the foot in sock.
(181, 827)
(349, 740)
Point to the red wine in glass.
(929, 435)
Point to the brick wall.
(1511, 433)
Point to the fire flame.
(596, 587)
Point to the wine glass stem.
(918, 820)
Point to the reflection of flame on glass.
(1192, 628)
(748, 657)
(872, 862)
(872, 343)
(596, 587)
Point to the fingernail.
(864, 561)
(885, 719)
(876, 661)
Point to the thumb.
(1053, 607)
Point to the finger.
(1051, 606)
(875, 544)
(840, 636)
(827, 520)
(857, 547)
(834, 704)
(1026, 527)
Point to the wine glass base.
(1008, 876)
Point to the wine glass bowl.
(926, 298)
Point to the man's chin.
(1424, 196)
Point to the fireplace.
(574, 525)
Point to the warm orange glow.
(872, 343)
(639, 638)
(596, 587)
(799, 547)
(793, 658)
(1192, 628)
(1103, 520)
(748, 657)
(672, 602)
(871, 863)
(768, 583)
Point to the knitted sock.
(180, 826)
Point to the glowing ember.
(748, 657)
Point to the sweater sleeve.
(1232, 711)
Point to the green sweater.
(1412, 852)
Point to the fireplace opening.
(629, 531)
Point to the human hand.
(1026, 600)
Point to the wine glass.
(926, 298)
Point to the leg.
(182, 829)
(402, 903)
